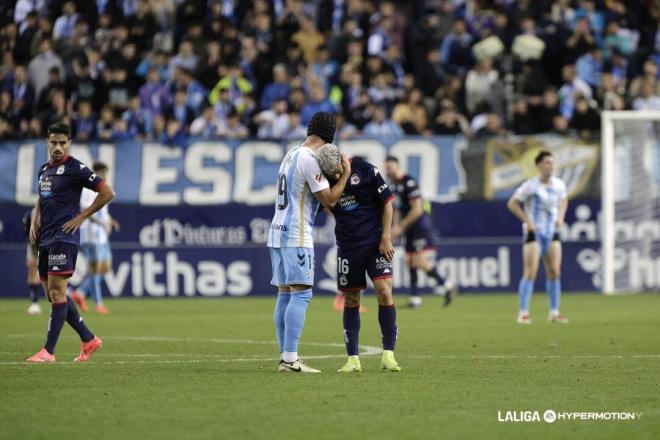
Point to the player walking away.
(418, 230)
(54, 227)
(363, 226)
(301, 186)
(544, 204)
(32, 272)
(95, 246)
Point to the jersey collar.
(61, 161)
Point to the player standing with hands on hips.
(54, 227)
(540, 203)
(301, 187)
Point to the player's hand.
(345, 164)
(34, 233)
(72, 225)
(115, 225)
(396, 232)
(386, 248)
(531, 227)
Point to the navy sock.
(433, 273)
(57, 319)
(413, 282)
(352, 330)
(34, 292)
(75, 320)
(388, 329)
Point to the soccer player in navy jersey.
(54, 228)
(417, 227)
(363, 222)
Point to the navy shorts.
(57, 259)
(419, 238)
(354, 264)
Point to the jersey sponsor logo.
(55, 259)
(383, 264)
(348, 202)
(60, 170)
(355, 179)
(282, 228)
(45, 187)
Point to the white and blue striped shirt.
(541, 202)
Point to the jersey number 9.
(282, 196)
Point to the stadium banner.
(207, 173)
(241, 271)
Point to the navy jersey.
(60, 185)
(406, 191)
(359, 211)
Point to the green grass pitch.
(203, 368)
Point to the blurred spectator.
(485, 123)
(206, 125)
(480, 86)
(381, 126)
(648, 99)
(39, 67)
(273, 123)
(65, 24)
(318, 102)
(105, 124)
(120, 131)
(585, 120)
(307, 38)
(455, 53)
(580, 41)
(180, 110)
(297, 131)
(185, 59)
(649, 74)
(155, 97)
(523, 120)
(590, 66)
(236, 86)
(345, 130)
(138, 120)
(411, 114)
(84, 122)
(449, 121)
(573, 88)
(278, 89)
(233, 129)
(22, 93)
(545, 112)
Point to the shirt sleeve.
(523, 192)
(378, 184)
(563, 192)
(412, 189)
(311, 172)
(87, 178)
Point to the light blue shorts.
(292, 266)
(96, 252)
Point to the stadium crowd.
(165, 70)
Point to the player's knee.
(554, 273)
(352, 299)
(57, 295)
(384, 295)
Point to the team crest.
(60, 170)
(343, 281)
(355, 179)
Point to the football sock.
(34, 292)
(352, 330)
(278, 317)
(58, 312)
(553, 287)
(86, 285)
(388, 329)
(413, 282)
(96, 290)
(75, 320)
(525, 289)
(433, 273)
(294, 320)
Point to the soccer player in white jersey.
(301, 187)
(95, 245)
(540, 203)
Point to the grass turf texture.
(461, 365)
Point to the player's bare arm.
(561, 215)
(516, 209)
(385, 246)
(416, 211)
(35, 223)
(105, 195)
(330, 196)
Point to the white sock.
(290, 356)
(554, 312)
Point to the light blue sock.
(85, 285)
(553, 287)
(294, 319)
(96, 291)
(278, 317)
(525, 289)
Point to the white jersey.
(295, 208)
(93, 232)
(541, 202)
